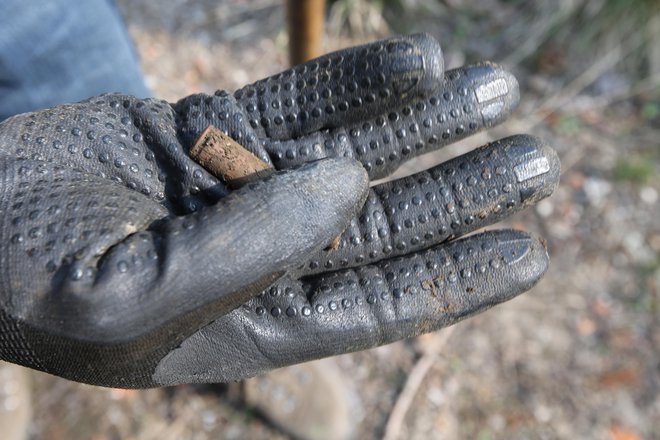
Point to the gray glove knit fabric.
(124, 263)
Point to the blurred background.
(576, 357)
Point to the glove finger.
(469, 99)
(184, 271)
(343, 87)
(455, 198)
(353, 310)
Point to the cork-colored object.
(226, 159)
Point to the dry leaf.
(121, 394)
(586, 327)
(618, 378)
(620, 433)
(601, 308)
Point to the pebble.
(545, 208)
(649, 195)
(597, 190)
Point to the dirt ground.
(576, 357)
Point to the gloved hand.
(124, 263)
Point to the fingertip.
(488, 269)
(411, 65)
(496, 90)
(433, 60)
(524, 258)
(487, 72)
(278, 222)
(535, 166)
(344, 181)
(333, 191)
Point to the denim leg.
(58, 51)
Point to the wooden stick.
(227, 160)
(413, 383)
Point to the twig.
(578, 84)
(646, 85)
(414, 381)
(226, 159)
(582, 81)
(543, 29)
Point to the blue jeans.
(58, 51)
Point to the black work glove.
(124, 263)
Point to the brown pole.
(305, 20)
